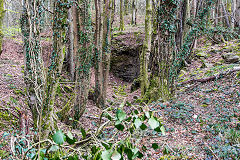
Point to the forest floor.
(201, 121)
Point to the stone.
(230, 57)
(203, 54)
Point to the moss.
(157, 91)
(2, 12)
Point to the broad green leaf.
(83, 133)
(137, 123)
(140, 155)
(75, 157)
(69, 134)
(163, 130)
(135, 152)
(53, 148)
(129, 153)
(121, 115)
(122, 104)
(155, 146)
(143, 126)
(147, 114)
(106, 155)
(153, 123)
(120, 127)
(166, 150)
(59, 137)
(116, 156)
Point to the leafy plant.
(97, 145)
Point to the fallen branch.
(211, 78)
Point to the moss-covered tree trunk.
(33, 69)
(70, 56)
(121, 27)
(48, 122)
(126, 7)
(83, 58)
(2, 13)
(106, 50)
(144, 58)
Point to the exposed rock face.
(125, 61)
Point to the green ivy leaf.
(116, 156)
(120, 127)
(155, 146)
(147, 114)
(135, 152)
(53, 148)
(83, 133)
(59, 137)
(106, 155)
(75, 157)
(166, 150)
(137, 123)
(143, 126)
(129, 153)
(163, 130)
(153, 123)
(121, 115)
(69, 134)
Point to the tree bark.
(121, 27)
(106, 50)
(83, 59)
(70, 58)
(2, 13)
(133, 12)
(144, 58)
(48, 123)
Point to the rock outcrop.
(126, 48)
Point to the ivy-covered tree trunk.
(2, 13)
(83, 58)
(48, 122)
(167, 57)
(70, 56)
(121, 27)
(144, 58)
(33, 69)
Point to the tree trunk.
(144, 58)
(126, 7)
(84, 59)
(49, 118)
(34, 74)
(186, 16)
(121, 27)
(2, 13)
(133, 12)
(106, 50)
(98, 55)
(70, 43)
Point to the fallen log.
(211, 78)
